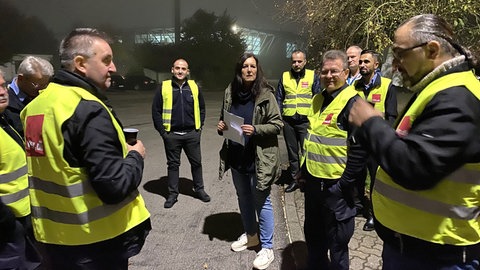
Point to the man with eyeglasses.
(33, 74)
(426, 194)
(328, 170)
(14, 199)
(294, 96)
(382, 95)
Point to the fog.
(61, 16)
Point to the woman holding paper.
(254, 161)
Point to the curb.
(291, 203)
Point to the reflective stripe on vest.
(167, 95)
(13, 176)
(377, 95)
(325, 146)
(448, 213)
(72, 191)
(298, 97)
(65, 208)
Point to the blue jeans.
(253, 203)
(394, 260)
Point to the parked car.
(140, 82)
(117, 81)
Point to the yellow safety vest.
(446, 213)
(325, 147)
(298, 97)
(167, 95)
(65, 208)
(13, 176)
(378, 94)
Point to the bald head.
(353, 54)
(180, 70)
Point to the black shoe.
(170, 201)
(292, 187)
(202, 195)
(369, 225)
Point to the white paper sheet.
(234, 131)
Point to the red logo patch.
(376, 98)
(404, 127)
(328, 119)
(33, 136)
(304, 84)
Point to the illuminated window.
(290, 47)
(253, 44)
(156, 36)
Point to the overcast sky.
(60, 15)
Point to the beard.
(402, 80)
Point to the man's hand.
(361, 111)
(137, 147)
(300, 179)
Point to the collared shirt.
(352, 79)
(13, 85)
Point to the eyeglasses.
(333, 73)
(399, 53)
(39, 86)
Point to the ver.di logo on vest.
(328, 119)
(33, 136)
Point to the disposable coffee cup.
(130, 135)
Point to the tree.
(211, 47)
(23, 35)
(332, 24)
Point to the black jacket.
(183, 118)
(391, 112)
(91, 142)
(12, 113)
(340, 199)
(442, 138)
(280, 95)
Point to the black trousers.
(323, 230)
(86, 257)
(190, 143)
(12, 253)
(294, 135)
(361, 201)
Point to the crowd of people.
(68, 178)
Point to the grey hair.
(356, 47)
(79, 42)
(428, 27)
(1, 74)
(32, 64)
(334, 55)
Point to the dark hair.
(79, 42)
(427, 27)
(299, 51)
(237, 83)
(375, 55)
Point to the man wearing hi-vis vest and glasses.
(426, 196)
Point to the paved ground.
(197, 235)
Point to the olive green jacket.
(267, 121)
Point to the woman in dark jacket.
(255, 163)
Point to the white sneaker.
(245, 241)
(264, 258)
